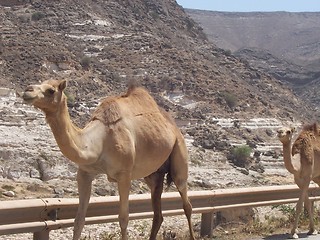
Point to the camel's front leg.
(124, 183)
(84, 187)
(309, 206)
(294, 231)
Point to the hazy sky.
(253, 5)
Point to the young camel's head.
(46, 96)
(285, 134)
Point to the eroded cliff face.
(283, 44)
(12, 3)
(292, 36)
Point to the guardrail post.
(207, 224)
(43, 235)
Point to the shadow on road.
(287, 236)
(277, 237)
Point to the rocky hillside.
(101, 45)
(292, 36)
(303, 81)
(285, 45)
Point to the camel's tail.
(169, 179)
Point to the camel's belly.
(145, 168)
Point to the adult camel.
(128, 137)
(305, 169)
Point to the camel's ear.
(62, 85)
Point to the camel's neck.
(288, 161)
(67, 135)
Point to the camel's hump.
(136, 101)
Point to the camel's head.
(285, 134)
(47, 96)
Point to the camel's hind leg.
(186, 206)
(155, 183)
(303, 184)
(309, 206)
(179, 172)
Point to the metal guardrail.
(41, 216)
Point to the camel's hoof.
(314, 232)
(294, 236)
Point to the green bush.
(290, 212)
(241, 152)
(286, 210)
(154, 15)
(230, 99)
(240, 156)
(85, 62)
(37, 16)
(190, 24)
(71, 99)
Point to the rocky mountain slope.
(101, 45)
(286, 35)
(285, 45)
(303, 81)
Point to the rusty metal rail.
(40, 216)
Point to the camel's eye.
(288, 132)
(50, 91)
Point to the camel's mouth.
(27, 98)
(283, 133)
(280, 134)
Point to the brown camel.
(305, 169)
(128, 137)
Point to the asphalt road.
(302, 235)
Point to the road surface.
(302, 236)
